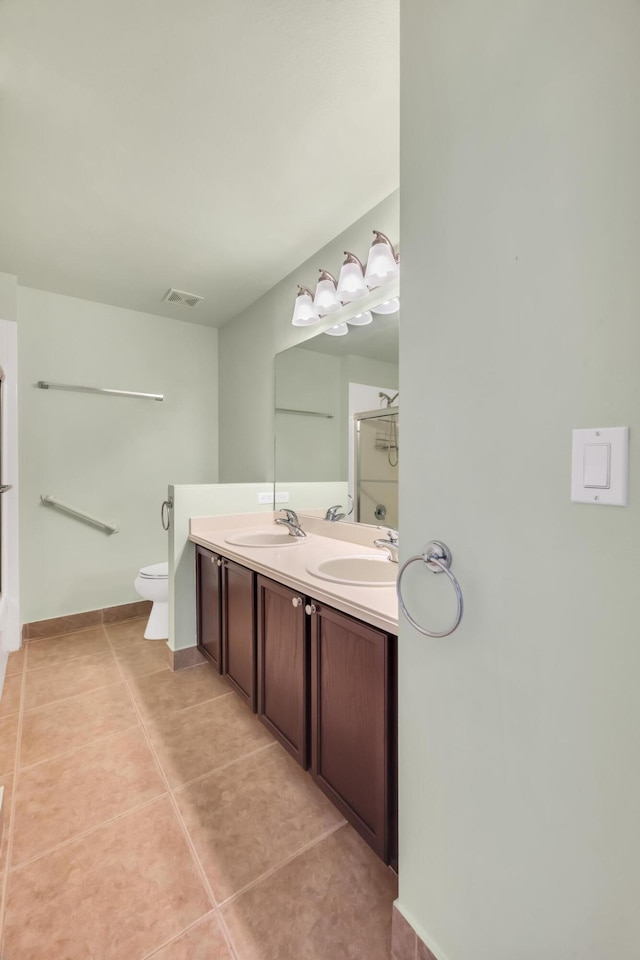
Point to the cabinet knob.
(212, 559)
(310, 608)
(296, 601)
(219, 561)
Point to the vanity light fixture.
(382, 262)
(304, 313)
(351, 285)
(389, 306)
(354, 282)
(340, 330)
(361, 319)
(326, 299)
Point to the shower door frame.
(357, 420)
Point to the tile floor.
(149, 814)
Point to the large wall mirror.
(337, 416)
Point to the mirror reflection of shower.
(377, 454)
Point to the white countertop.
(376, 605)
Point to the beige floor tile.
(61, 680)
(115, 894)
(138, 659)
(333, 901)
(15, 662)
(49, 653)
(204, 942)
(61, 798)
(251, 815)
(10, 696)
(164, 692)
(128, 631)
(7, 783)
(67, 724)
(8, 735)
(192, 742)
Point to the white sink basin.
(265, 538)
(362, 570)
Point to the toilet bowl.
(152, 583)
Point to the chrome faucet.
(391, 543)
(290, 520)
(333, 515)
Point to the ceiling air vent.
(179, 296)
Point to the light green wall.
(111, 456)
(8, 297)
(520, 734)
(249, 343)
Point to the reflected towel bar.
(52, 502)
(305, 413)
(47, 385)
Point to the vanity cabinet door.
(353, 721)
(283, 666)
(208, 605)
(239, 631)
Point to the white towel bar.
(52, 502)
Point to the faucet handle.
(290, 515)
(392, 534)
(332, 512)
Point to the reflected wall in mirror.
(337, 417)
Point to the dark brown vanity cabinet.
(209, 605)
(323, 683)
(239, 629)
(353, 723)
(226, 621)
(283, 666)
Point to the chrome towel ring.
(165, 513)
(437, 557)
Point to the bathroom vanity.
(315, 659)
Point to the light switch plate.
(266, 497)
(282, 496)
(600, 466)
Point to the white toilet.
(152, 583)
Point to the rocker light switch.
(597, 465)
(600, 466)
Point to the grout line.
(67, 663)
(4, 893)
(83, 656)
(282, 863)
(72, 696)
(194, 706)
(87, 833)
(192, 926)
(81, 746)
(224, 766)
(51, 703)
(170, 713)
(176, 810)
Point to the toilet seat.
(155, 571)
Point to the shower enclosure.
(377, 454)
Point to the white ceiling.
(208, 145)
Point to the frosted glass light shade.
(361, 319)
(389, 306)
(339, 330)
(381, 263)
(326, 299)
(351, 285)
(304, 312)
